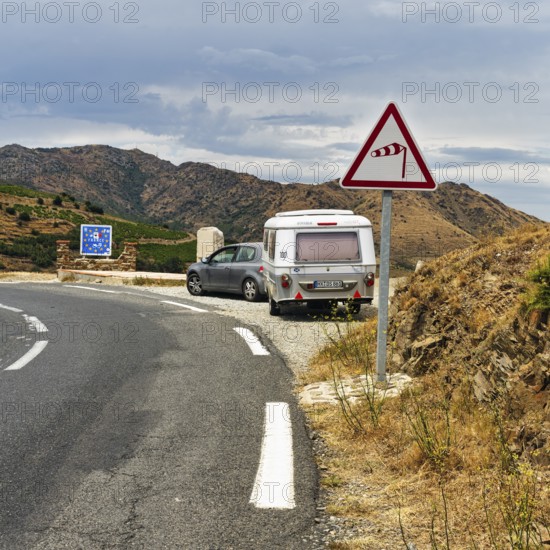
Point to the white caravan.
(318, 257)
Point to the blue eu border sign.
(95, 240)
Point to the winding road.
(132, 421)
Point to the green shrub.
(539, 296)
(24, 216)
(168, 258)
(11, 210)
(57, 201)
(93, 208)
(40, 201)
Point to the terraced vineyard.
(31, 222)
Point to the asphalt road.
(140, 424)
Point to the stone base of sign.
(127, 261)
(353, 388)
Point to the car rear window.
(327, 247)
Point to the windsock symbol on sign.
(390, 150)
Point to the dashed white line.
(94, 289)
(9, 308)
(192, 308)
(252, 340)
(274, 484)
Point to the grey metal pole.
(384, 286)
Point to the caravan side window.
(271, 244)
(327, 247)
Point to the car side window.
(224, 256)
(246, 254)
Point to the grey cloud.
(494, 154)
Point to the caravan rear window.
(327, 247)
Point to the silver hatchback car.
(236, 268)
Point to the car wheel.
(194, 285)
(274, 308)
(251, 292)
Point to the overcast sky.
(288, 90)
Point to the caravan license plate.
(328, 284)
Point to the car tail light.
(286, 281)
(261, 270)
(369, 279)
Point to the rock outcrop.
(465, 314)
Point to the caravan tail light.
(286, 281)
(369, 279)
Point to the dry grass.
(147, 281)
(17, 276)
(439, 470)
(455, 485)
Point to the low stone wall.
(127, 261)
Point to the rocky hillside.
(192, 195)
(475, 315)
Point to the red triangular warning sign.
(389, 159)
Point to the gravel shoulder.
(298, 334)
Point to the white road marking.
(94, 289)
(36, 325)
(192, 308)
(29, 356)
(252, 340)
(9, 308)
(39, 328)
(274, 484)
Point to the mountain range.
(141, 186)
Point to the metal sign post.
(383, 286)
(389, 160)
